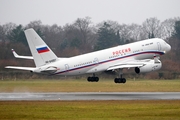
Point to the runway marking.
(91, 96)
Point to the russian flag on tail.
(42, 49)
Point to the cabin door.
(66, 68)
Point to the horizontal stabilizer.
(21, 68)
(19, 56)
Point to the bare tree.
(151, 27)
(36, 25)
(167, 27)
(83, 25)
(2, 35)
(7, 28)
(113, 24)
(71, 35)
(130, 32)
(53, 35)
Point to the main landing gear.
(93, 78)
(120, 79)
(116, 80)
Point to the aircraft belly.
(75, 71)
(97, 68)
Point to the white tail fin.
(41, 53)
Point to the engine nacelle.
(148, 67)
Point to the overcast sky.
(67, 11)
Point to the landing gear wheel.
(120, 80)
(93, 79)
(123, 80)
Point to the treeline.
(83, 36)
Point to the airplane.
(143, 56)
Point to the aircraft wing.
(19, 56)
(21, 68)
(137, 63)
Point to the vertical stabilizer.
(41, 53)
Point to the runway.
(90, 96)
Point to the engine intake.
(148, 67)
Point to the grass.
(84, 86)
(90, 110)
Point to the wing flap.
(124, 66)
(130, 64)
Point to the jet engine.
(149, 66)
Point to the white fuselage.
(103, 59)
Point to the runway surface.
(91, 96)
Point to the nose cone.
(168, 48)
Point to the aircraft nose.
(168, 48)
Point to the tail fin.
(41, 53)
